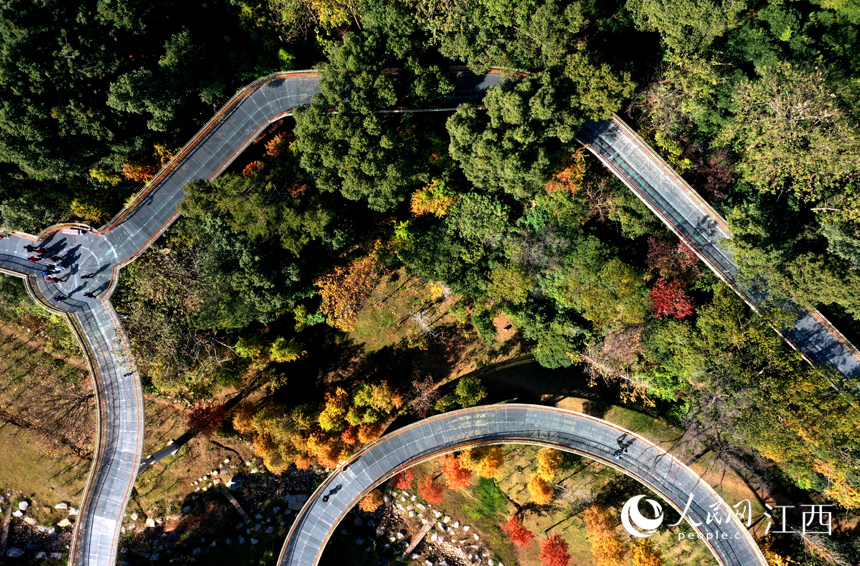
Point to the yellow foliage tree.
(644, 554)
(371, 501)
(486, 461)
(606, 546)
(243, 416)
(540, 490)
(436, 198)
(344, 291)
(333, 415)
(548, 461)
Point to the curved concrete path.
(525, 424)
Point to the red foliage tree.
(517, 533)
(206, 419)
(404, 479)
(251, 168)
(553, 551)
(669, 299)
(430, 490)
(456, 476)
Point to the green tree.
(686, 25)
(793, 135)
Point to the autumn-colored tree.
(275, 146)
(670, 259)
(548, 461)
(431, 490)
(206, 419)
(570, 177)
(644, 554)
(369, 432)
(325, 448)
(404, 479)
(436, 198)
(669, 299)
(139, 172)
(380, 397)
(456, 476)
(606, 546)
(302, 462)
(263, 445)
(350, 435)
(517, 533)
(371, 501)
(486, 461)
(252, 168)
(344, 290)
(554, 551)
(243, 415)
(333, 415)
(540, 490)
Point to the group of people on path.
(51, 270)
(622, 449)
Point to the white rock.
(56, 556)
(399, 535)
(446, 519)
(64, 523)
(276, 509)
(258, 516)
(154, 557)
(214, 542)
(241, 539)
(466, 528)
(434, 537)
(415, 556)
(61, 506)
(412, 513)
(196, 550)
(420, 506)
(30, 521)
(456, 525)
(254, 541)
(413, 498)
(73, 511)
(14, 552)
(226, 460)
(17, 514)
(228, 541)
(150, 522)
(270, 530)
(23, 506)
(41, 555)
(437, 514)
(134, 516)
(428, 563)
(476, 536)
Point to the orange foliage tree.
(371, 501)
(570, 177)
(404, 479)
(243, 415)
(251, 168)
(606, 546)
(431, 490)
(344, 290)
(456, 476)
(554, 552)
(517, 533)
(333, 415)
(540, 490)
(369, 432)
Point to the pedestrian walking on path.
(60, 268)
(32, 259)
(89, 295)
(58, 259)
(41, 251)
(59, 298)
(52, 279)
(88, 276)
(30, 248)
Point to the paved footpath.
(93, 259)
(529, 424)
